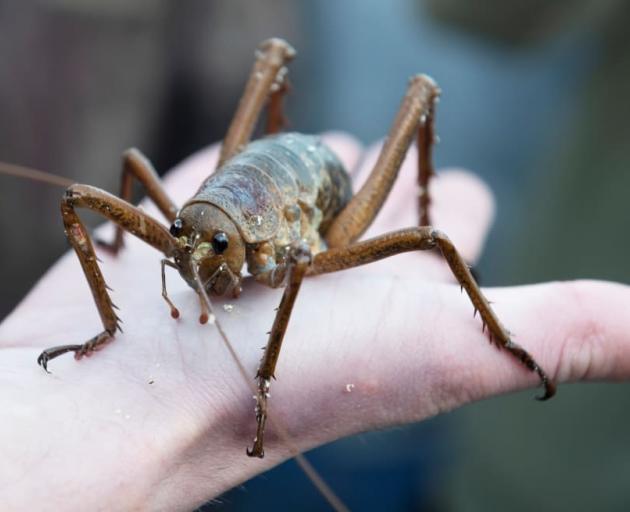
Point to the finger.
(418, 352)
(580, 329)
(462, 205)
(576, 331)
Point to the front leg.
(262, 264)
(129, 218)
(298, 259)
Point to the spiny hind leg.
(129, 218)
(415, 113)
(136, 165)
(425, 238)
(276, 117)
(426, 140)
(267, 81)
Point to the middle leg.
(300, 263)
(296, 264)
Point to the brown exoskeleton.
(283, 206)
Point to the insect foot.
(532, 365)
(95, 343)
(261, 418)
(51, 353)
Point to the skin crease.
(159, 420)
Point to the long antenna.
(312, 474)
(33, 174)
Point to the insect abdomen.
(260, 187)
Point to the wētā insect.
(282, 205)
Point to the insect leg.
(356, 217)
(136, 165)
(131, 219)
(163, 263)
(426, 139)
(298, 260)
(276, 118)
(425, 238)
(266, 75)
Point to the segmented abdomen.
(261, 187)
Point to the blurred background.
(534, 100)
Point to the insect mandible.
(282, 206)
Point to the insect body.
(283, 206)
(279, 191)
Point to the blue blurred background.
(534, 100)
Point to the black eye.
(219, 242)
(176, 228)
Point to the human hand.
(159, 420)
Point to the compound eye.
(176, 228)
(219, 242)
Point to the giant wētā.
(284, 206)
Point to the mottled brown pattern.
(257, 186)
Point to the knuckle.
(583, 352)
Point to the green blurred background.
(535, 100)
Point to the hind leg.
(267, 81)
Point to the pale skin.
(159, 419)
